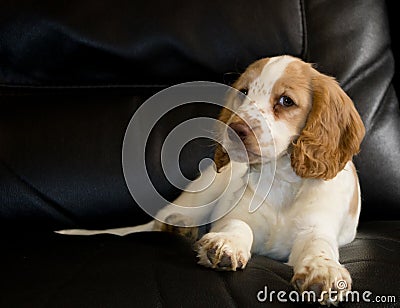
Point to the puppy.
(285, 184)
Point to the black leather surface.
(61, 157)
(351, 41)
(61, 148)
(71, 76)
(160, 270)
(140, 42)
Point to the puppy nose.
(239, 129)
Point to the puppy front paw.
(223, 251)
(328, 280)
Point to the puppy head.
(290, 109)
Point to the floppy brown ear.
(221, 158)
(332, 134)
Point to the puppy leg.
(178, 224)
(194, 206)
(315, 260)
(227, 246)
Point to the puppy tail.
(118, 231)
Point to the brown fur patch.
(296, 84)
(221, 158)
(191, 233)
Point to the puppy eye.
(286, 101)
(244, 91)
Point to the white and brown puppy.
(313, 205)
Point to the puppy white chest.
(265, 205)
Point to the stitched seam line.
(366, 69)
(100, 86)
(376, 112)
(304, 48)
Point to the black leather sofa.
(71, 76)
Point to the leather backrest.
(94, 42)
(73, 73)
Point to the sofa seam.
(378, 238)
(365, 260)
(366, 70)
(304, 47)
(72, 87)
